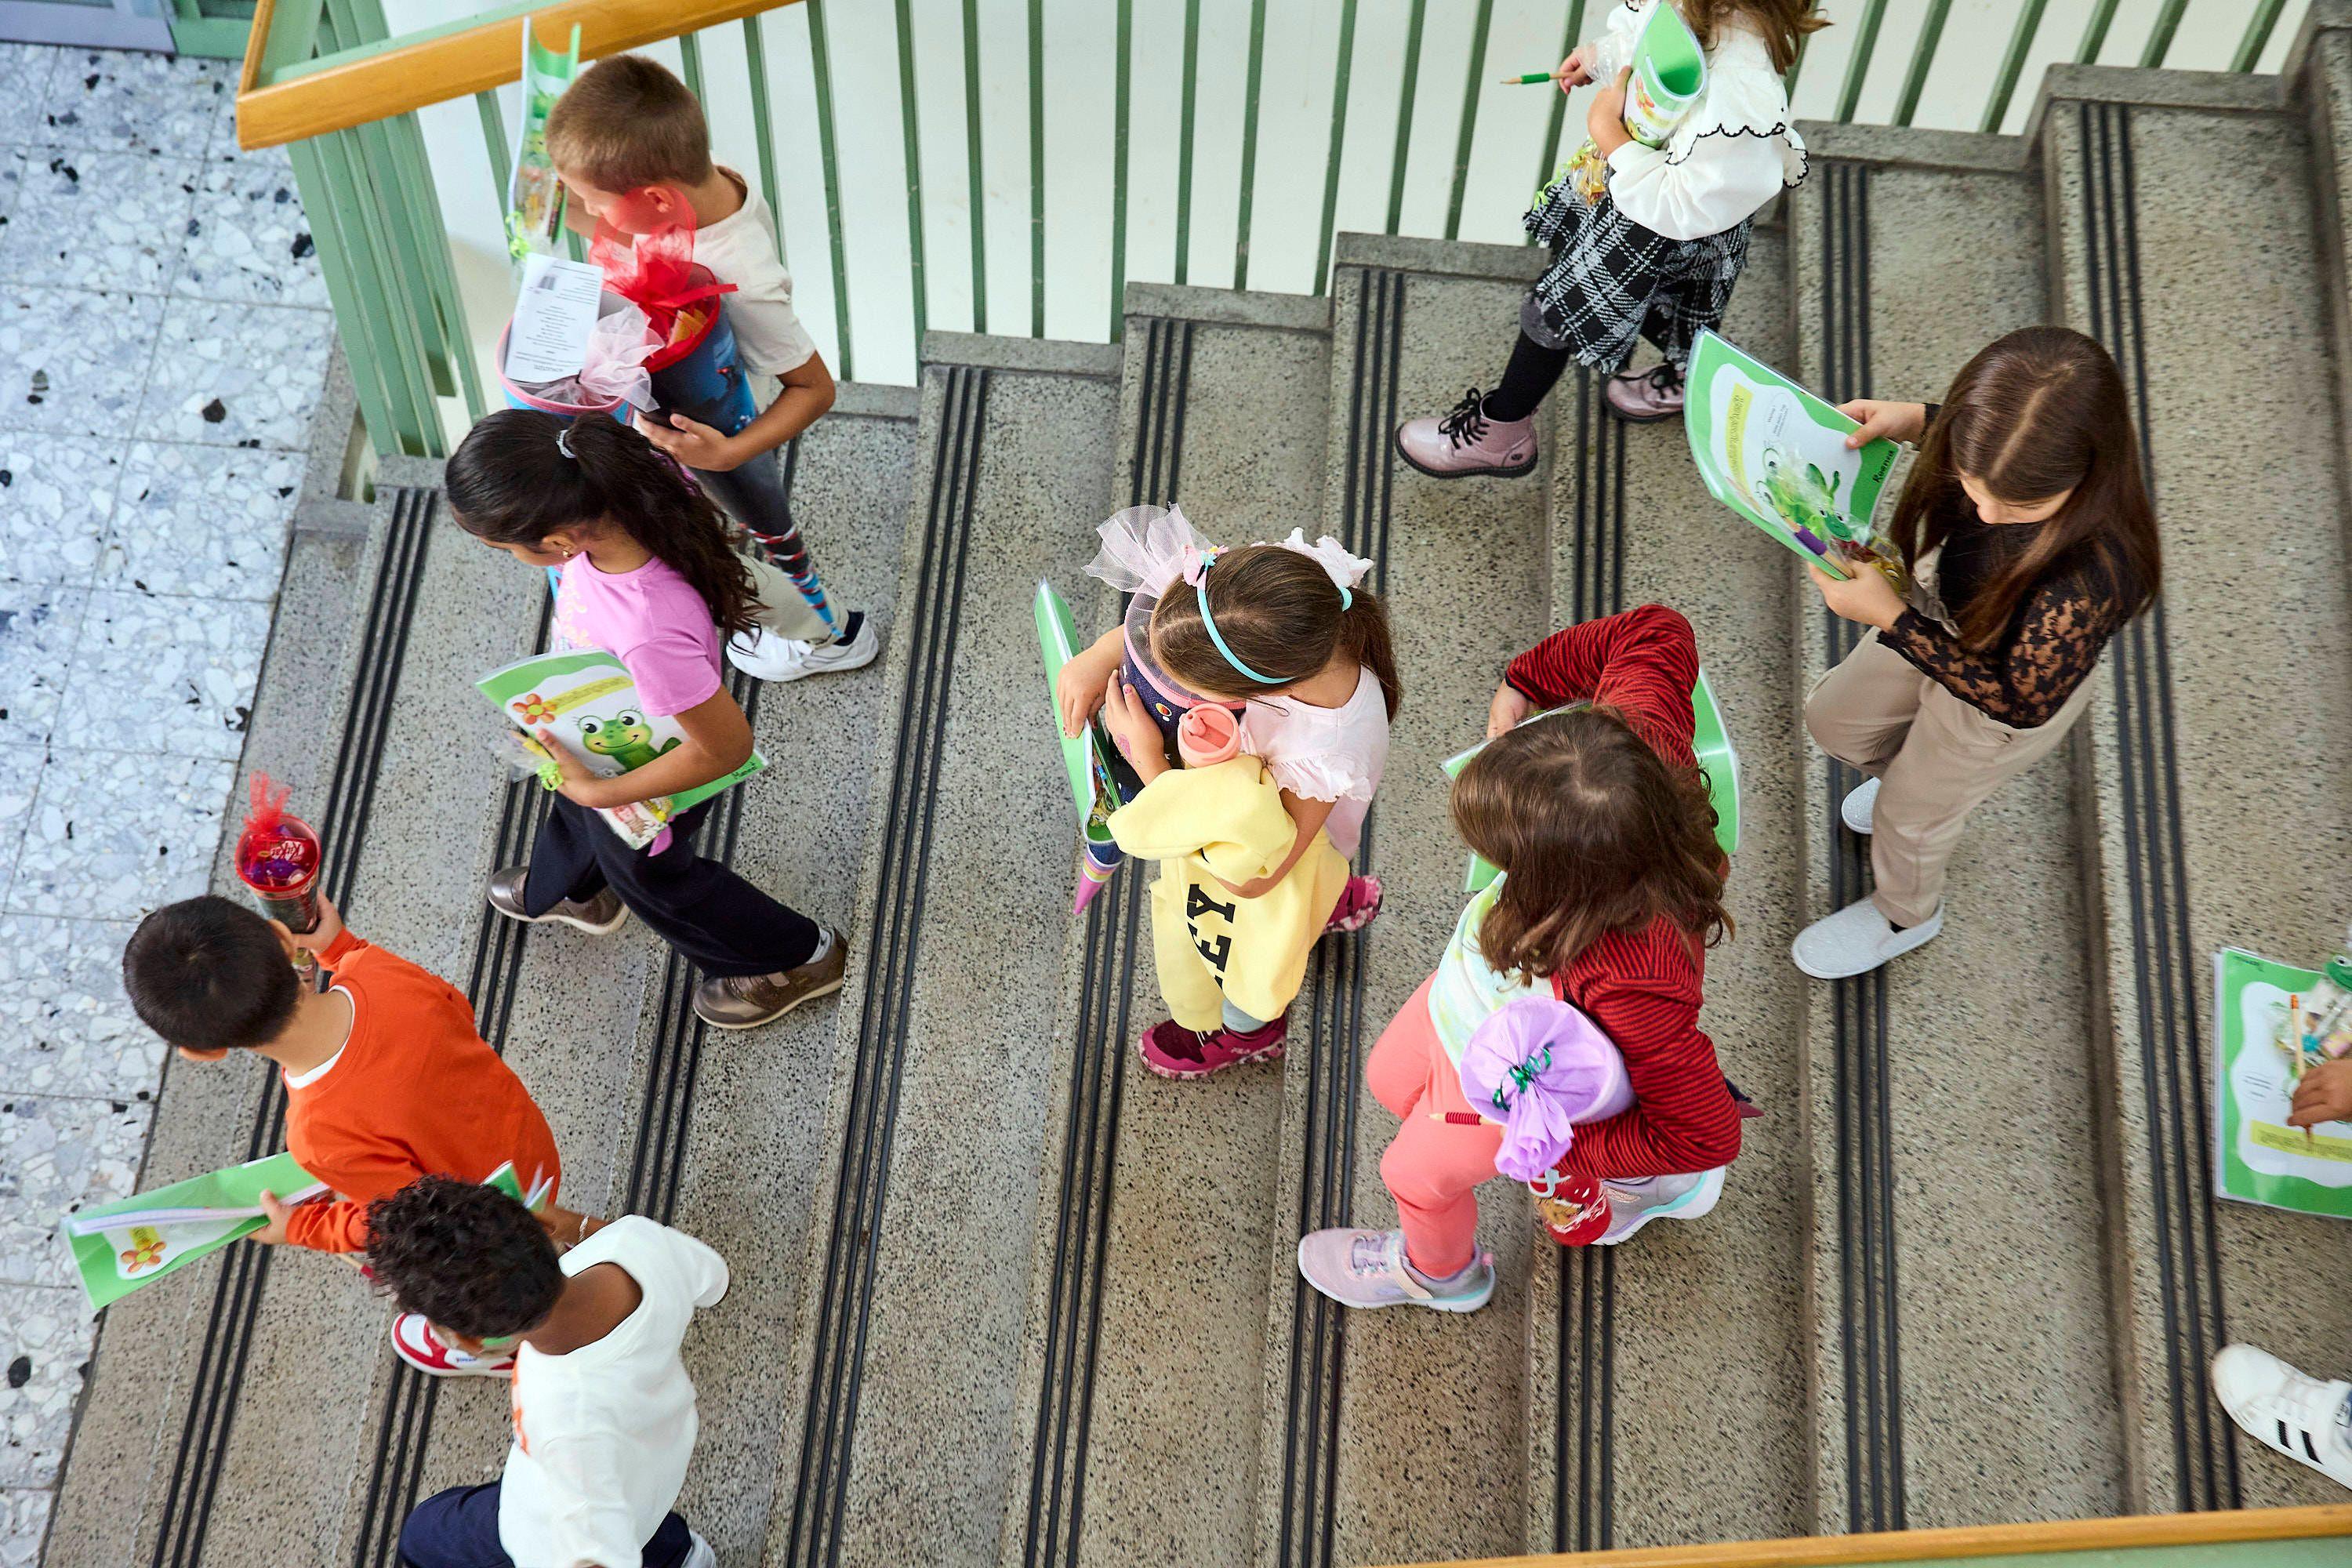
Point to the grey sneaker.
(1646, 396)
(1633, 1205)
(1368, 1269)
(1465, 441)
(748, 1001)
(599, 916)
(1859, 803)
(767, 656)
(1857, 940)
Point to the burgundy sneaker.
(1173, 1051)
(1646, 396)
(1360, 900)
(1465, 441)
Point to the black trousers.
(459, 1529)
(699, 907)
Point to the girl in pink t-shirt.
(647, 576)
(1286, 637)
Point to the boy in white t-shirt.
(631, 144)
(605, 1419)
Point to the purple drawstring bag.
(1540, 1067)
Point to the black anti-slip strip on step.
(1865, 1176)
(2163, 980)
(1334, 1056)
(343, 819)
(932, 621)
(1584, 1485)
(1057, 1472)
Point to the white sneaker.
(1860, 802)
(1633, 1205)
(699, 1553)
(1857, 940)
(2300, 1416)
(413, 1340)
(764, 655)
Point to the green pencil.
(1524, 80)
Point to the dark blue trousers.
(459, 1529)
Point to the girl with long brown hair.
(1611, 892)
(2028, 535)
(647, 574)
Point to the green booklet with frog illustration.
(1776, 453)
(2258, 1158)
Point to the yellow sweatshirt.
(1211, 945)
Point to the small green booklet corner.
(1086, 755)
(121, 1246)
(2259, 1159)
(1710, 742)
(1776, 453)
(586, 698)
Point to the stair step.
(1951, 1124)
(1370, 1416)
(2317, 72)
(2209, 826)
(899, 1437)
(1156, 1213)
(1651, 1423)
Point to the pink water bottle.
(1208, 734)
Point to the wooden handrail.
(437, 67)
(1969, 1541)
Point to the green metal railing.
(377, 212)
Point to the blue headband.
(1347, 600)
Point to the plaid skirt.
(1612, 281)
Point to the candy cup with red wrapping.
(277, 860)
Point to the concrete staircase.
(1003, 1297)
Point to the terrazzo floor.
(163, 341)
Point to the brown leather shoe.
(748, 1001)
(599, 916)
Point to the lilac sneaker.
(1465, 441)
(1646, 396)
(1368, 1269)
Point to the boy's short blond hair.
(627, 123)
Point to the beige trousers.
(1936, 757)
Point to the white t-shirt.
(740, 248)
(603, 1433)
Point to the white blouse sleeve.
(1727, 176)
(1327, 775)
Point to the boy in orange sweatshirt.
(386, 1078)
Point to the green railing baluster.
(433, 237)
(2258, 34)
(1923, 55)
(414, 426)
(690, 57)
(2013, 63)
(357, 310)
(1339, 70)
(972, 151)
(764, 133)
(2094, 33)
(1568, 42)
(494, 137)
(1036, 168)
(1859, 65)
(1404, 113)
(1249, 142)
(914, 172)
(821, 63)
(2160, 37)
(1185, 140)
(1796, 69)
(1473, 94)
(1121, 72)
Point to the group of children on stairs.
(1557, 1040)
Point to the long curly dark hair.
(1598, 834)
(511, 483)
(468, 1258)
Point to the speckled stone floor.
(164, 345)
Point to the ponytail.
(521, 475)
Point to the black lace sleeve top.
(2050, 645)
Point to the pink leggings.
(1433, 1167)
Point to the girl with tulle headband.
(1288, 638)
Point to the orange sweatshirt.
(414, 1092)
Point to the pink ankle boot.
(1465, 441)
(1646, 396)
(1173, 1051)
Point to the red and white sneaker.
(414, 1342)
(1360, 900)
(1173, 1050)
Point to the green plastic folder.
(1710, 742)
(121, 1246)
(1084, 754)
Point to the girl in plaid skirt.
(1646, 241)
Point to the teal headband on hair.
(1200, 593)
